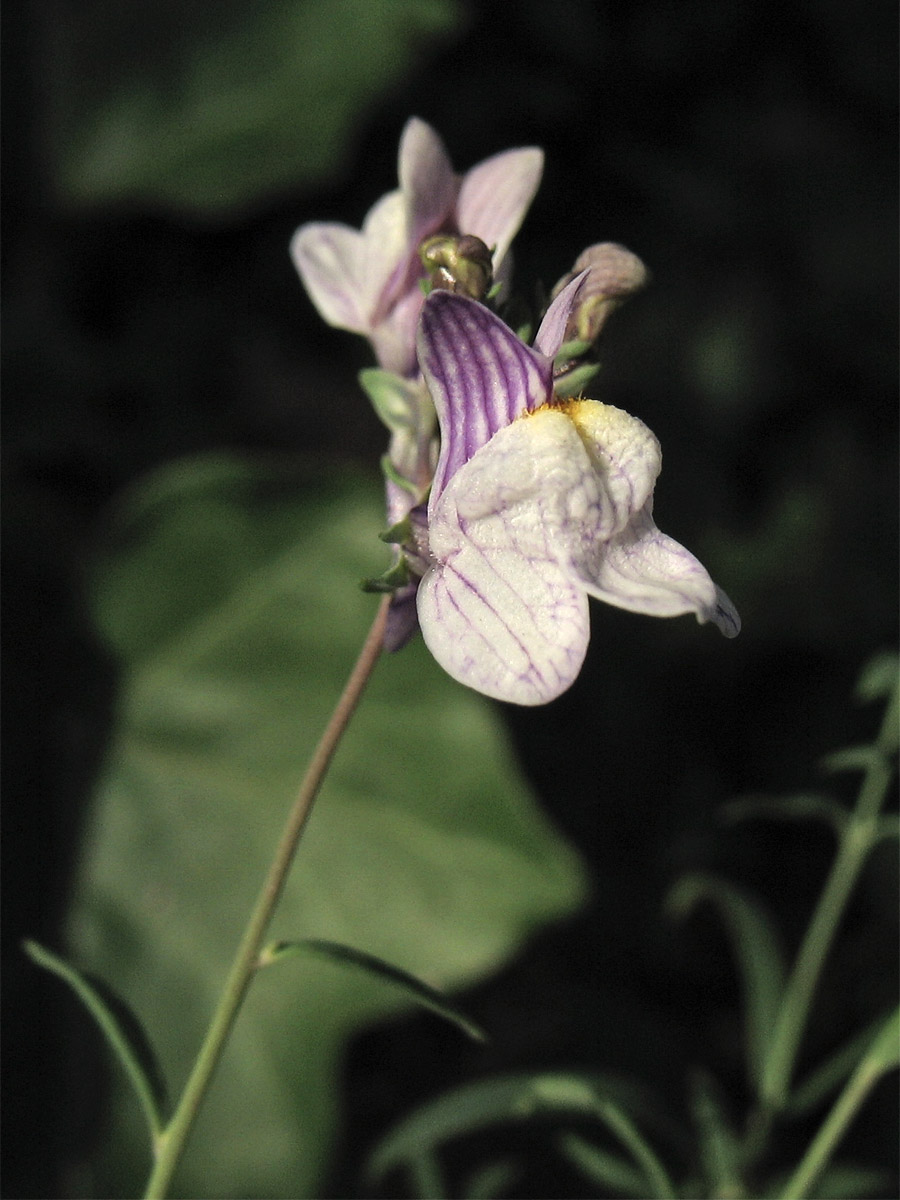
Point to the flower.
(367, 280)
(536, 503)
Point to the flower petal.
(626, 456)
(552, 331)
(427, 181)
(480, 375)
(499, 609)
(330, 260)
(384, 253)
(494, 197)
(645, 571)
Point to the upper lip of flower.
(527, 517)
(367, 280)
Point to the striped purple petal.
(480, 375)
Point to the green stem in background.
(856, 840)
(170, 1143)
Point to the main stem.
(170, 1144)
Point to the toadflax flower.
(367, 280)
(537, 502)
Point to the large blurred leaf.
(207, 107)
(230, 594)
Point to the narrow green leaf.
(491, 1180)
(757, 952)
(802, 806)
(884, 1053)
(831, 1073)
(852, 758)
(514, 1098)
(427, 996)
(602, 1167)
(427, 1177)
(879, 676)
(121, 1028)
(624, 1129)
(844, 1181)
(719, 1149)
(882, 1056)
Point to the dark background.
(747, 153)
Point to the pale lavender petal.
(494, 197)
(384, 254)
(500, 609)
(480, 375)
(394, 337)
(330, 258)
(645, 571)
(427, 180)
(552, 331)
(485, 635)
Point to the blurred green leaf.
(212, 109)
(846, 1182)
(882, 1056)
(491, 1180)
(719, 1150)
(841, 1181)
(878, 678)
(853, 758)
(418, 991)
(802, 806)
(124, 1033)
(604, 1168)
(884, 1053)
(474, 1107)
(229, 593)
(831, 1073)
(757, 951)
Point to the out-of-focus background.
(157, 160)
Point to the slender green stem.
(842, 1113)
(170, 1144)
(856, 840)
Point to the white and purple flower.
(536, 503)
(367, 280)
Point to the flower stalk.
(170, 1144)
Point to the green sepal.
(427, 996)
(396, 576)
(123, 1031)
(399, 534)
(573, 382)
(390, 396)
(391, 473)
(426, 285)
(569, 350)
(493, 291)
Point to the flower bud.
(614, 274)
(458, 263)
